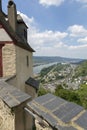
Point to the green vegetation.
(68, 95)
(45, 71)
(77, 96)
(34, 128)
(60, 67)
(54, 72)
(42, 91)
(81, 70)
(83, 95)
(55, 68)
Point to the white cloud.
(82, 40)
(48, 37)
(64, 51)
(78, 47)
(55, 43)
(26, 18)
(51, 2)
(30, 22)
(77, 31)
(59, 45)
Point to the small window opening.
(27, 58)
(25, 34)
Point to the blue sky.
(56, 27)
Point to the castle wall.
(20, 117)
(9, 60)
(29, 120)
(24, 67)
(1, 67)
(12, 80)
(6, 117)
(31, 91)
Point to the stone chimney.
(12, 15)
(0, 5)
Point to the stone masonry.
(6, 117)
(9, 60)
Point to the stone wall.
(42, 125)
(24, 70)
(15, 63)
(9, 60)
(31, 91)
(6, 117)
(12, 81)
(29, 120)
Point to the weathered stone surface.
(9, 60)
(6, 117)
(31, 91)
(44, 126)
(23, 70)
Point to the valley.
(66, 80)
(67, 72)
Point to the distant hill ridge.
(46, 59)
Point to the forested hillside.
(81, 69)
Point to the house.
(15, 52)
(16, 70)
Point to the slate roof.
(17, 40)
(60, 114)
(20, 20)
(32, 82)
(12, 96)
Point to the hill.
(46, 60)
(81, 69)
(70, 76)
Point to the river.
(37, 69)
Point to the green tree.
(42, 91)
(82, 92)
(68, 95)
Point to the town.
(61, 73)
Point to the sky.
(56, 27)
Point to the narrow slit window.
(27, 58)
(25, 34)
